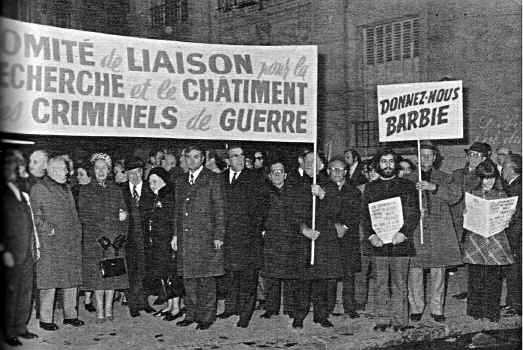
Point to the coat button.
(187, 199)
(186, 214)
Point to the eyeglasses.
(277, 171)
(475, 154)
(337, 170)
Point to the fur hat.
(161, 173)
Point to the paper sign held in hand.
(387, 218)
(487, 217)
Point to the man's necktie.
(136, 197)
(191, 179)
(234, 178)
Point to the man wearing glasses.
(243, 240)
(466, 180)
(279, 247)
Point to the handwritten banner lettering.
(420, 111)
(69, 82)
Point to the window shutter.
(394, 41)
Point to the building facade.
(361, 44)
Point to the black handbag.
(112, 267)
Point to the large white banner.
(420, 111)
(488, 217)
(69, 82)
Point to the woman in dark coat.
(83, 177)
(103, 214)
(159, 227)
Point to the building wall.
(477, 41)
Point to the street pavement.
(147, 332)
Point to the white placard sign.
(488, 217)
(386, 217)
(420, 111)
(69, 82)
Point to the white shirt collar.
(231, 174)
(196, 173)
(352, 168)
(138, 187)
(15, 190)
(514, 179)
(300, 171)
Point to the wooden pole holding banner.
(314, 169)
(420, 193)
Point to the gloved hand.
(104, 242)
(119, 241)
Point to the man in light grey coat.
(440, 248)
(60, 233)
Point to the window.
(169, 13)
(395, 41)
(366, 134)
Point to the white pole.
(420, 193)
(313, 245)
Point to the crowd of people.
(196, 228)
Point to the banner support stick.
(420, 193)
(313, 243)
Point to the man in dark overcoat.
(512, 177)
(314, 280)
(60, 233)
(198, 238)
(243, 239)
(19, 252)
(135, 193)
(348, 199)
(279, 247)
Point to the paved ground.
(147, 332)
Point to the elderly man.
(279, 253)
(198, 238)
(440, 248)
(392, 258)
(135, 193)
(467, 180)
(313, 281)
(37, 166)
(347, 224)
(243, 239)
(512, 178)
(60, 232)
(502, 154)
